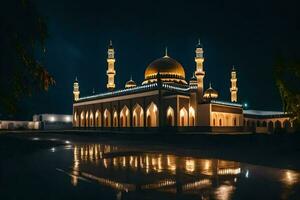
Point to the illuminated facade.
(164, 99)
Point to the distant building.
(164, 99)
(18, 125)
(267, 121)
(53, 121)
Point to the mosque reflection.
(128, 170)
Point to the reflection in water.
(290, 177)
(223, 192)
(150, 171)
(130, 170)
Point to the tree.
(22, 46)
(287, 76)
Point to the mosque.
(167, 99)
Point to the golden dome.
(169, 69)
(210, 94)
(130, 84)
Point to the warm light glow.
(290, 177)
(224, 192)
(190, 165)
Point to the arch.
(115, 119)
(107, 118)
(76, 119)
(91, 119)
(287, 124)
(183, 114)
(234, 121)
(214, 120)
(257, 123)
(270, 126)
(87, 119)
(170, 116)
(264, 124)
(124, 117)
(192, 121)
(138, 116)
(277, 124)
(98, 119)
(82, 119)
(221, 120)
(152, 115)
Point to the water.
(99, 171)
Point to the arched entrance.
(115, 119)
(76, 119)
(82, 119)
(287, 124)
(214, 119)
(98, 119)
(91, 119)
(170, 116)
(87, 119)
(270, 126)
(192, 121)
(183, 114)
(278, 125)
(138, 116)
(124, 117)
(152, 115)
(107, 118)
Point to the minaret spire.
(76, 91)
(233, 88)
(111, 72)
(199, 72)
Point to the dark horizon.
(248, 36)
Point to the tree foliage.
(287, 76)
(22, 46)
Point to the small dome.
(210, 94)
(130, 84)
(169, 69)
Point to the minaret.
(200, 73)
(233, 88)
(76, 91)
(111, 72)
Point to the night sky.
(247, 35)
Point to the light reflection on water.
(130, 170)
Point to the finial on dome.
(76, 80)
(233, 69)
(166, 52)
(131, 77)
(199, 43)
(210, 85)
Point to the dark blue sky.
(245, 34)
